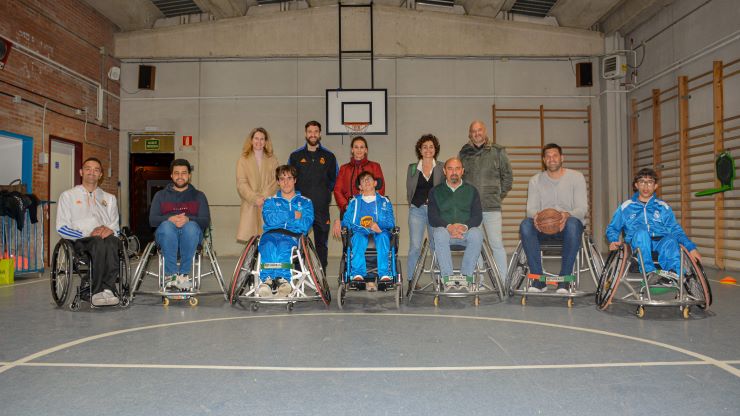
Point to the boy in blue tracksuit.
(650, 225)
(286, 216)
(369, 214)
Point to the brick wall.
(71, 33)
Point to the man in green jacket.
(487, 168)
(455, 215)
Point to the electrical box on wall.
(613, 67)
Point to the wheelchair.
(307, 278)
(691, 289)
(487, 278)
(588, 259)
(71, 272)
(205, 248)
(346, 283)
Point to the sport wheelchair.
(71, 271)
(691, 289)
(588, 259)
(435, 287)
(307, 281)
(346, 282)
(205, 248)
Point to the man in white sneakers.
(89, 216)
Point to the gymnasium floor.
(498, 358)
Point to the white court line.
(41, 279)
(709, 360)
(366, 369)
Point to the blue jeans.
(669, 252)
(472, 240)
(492, 225)
(170, 239)
(570, 236)
(418, 222)
(358, 266)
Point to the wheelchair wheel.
(140, 270)
(517, 270)
(315, 269)
(595, 261)
(695, 282)
(124, 275)
(418, 270)
(341, 291)
(611, 275)
(244, 266)
(62, 272)
(493, 274)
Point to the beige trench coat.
(251, 183)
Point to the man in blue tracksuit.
(650, 225)
(369, 214)
(286, 216)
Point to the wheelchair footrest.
(568, 278)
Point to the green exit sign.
(152, 144)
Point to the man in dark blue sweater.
(180, 213)
(317, 172)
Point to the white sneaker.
(183, 282)
(358, 278)
(110, 298)
(264, 291)
(562, 291)
(284, 289)
(99, 299)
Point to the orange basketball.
(548, 221)
(366, 221)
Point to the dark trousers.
(104, 258)
(321, 240)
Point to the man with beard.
(317, 172)
(565, 191)
(455, 215)
(181, 214)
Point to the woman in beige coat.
(255, 181)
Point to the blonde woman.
(255, 181)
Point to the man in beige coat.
(255, 181)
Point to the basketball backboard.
(357, 106)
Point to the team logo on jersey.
(104, 203)
(78, 202)
(632, 217)
(303, 160)
(656, 215)
(322, 160)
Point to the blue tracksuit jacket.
(278, 213)
(652, 227)
(381, 212)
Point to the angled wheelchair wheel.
(399, 284)
(244, 266)
(517, 270)
(124, 275)
(696, 283)
(595, 261)
(418, 270)
(614, 269)
(62, 272)
(140, 270)
(315, 270)
(341, 292)
(494, 276)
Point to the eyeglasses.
(644, 182)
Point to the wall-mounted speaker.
(5, 46)
(147, 74)
(584, 74)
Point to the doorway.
(64, 166)
(149, 173)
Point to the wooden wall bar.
(684, 157)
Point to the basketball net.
(356, 128)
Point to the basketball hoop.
(356, 128)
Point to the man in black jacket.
(317, 173)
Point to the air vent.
(537, 8)
(172, 8)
